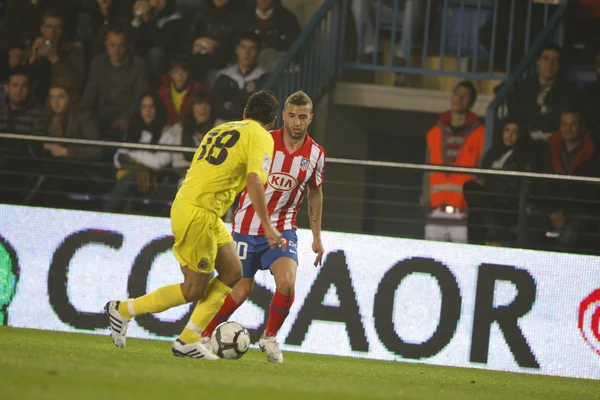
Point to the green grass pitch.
(54, 365)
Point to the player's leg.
(236, 298)
(229, 267)
(163, 298)
(222, 256)
(249, 249)
(190, 228)
(283, 269)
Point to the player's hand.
(318, 248)
(274, 238)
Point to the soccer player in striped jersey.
(298, 164)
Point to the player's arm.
(315, 207)
(259, 165)
(315, 214)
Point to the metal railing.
(311, 63)
(449, 31)
(360, 196)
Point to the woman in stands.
(137, 169)
(66, 120)
(493, 199)
(63, 169)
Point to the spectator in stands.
(51, 58)
(65, 120)
(492, 199)
(277, 28)
(567, 209)
(236, 83)
(18, 115)
(22, 19)
(190, 131)
(72, 174)
(157, 33)
(94, 20)
(457, 140)
(212, 35)
(179, 89)
(116, 80)
(539, 99)
(16, 57)
(137, 169)
(10, 58)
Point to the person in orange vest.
(456, 140)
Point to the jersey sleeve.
(316, 179)
(260, 155)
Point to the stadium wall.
(375, 297)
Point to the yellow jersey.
(227, 154)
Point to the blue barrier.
(481, 30)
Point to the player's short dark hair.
(262, 106)
(472, 90)
(299, 99)
(551, 47)
(248, 35)
(18, 71)
(180, 61)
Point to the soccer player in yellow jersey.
(231, 156)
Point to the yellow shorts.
(198, 235)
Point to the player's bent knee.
(245, 292)
(242, 290)
(285, 285)
(193, 292)
(231, 277)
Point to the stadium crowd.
(551, 126)
(140, 71)
(133, 71)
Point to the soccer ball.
(230, 340)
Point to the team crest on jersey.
(203, 264)
(304, 164)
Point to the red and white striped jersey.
(284, 191)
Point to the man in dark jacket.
(539, 100)
(53, 59)
(212, 36)
(18, 115)
(567, 210)
(235, 84)
(116, 82)
(277, 28)
(22, 19)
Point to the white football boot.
(194, 350)
(205, 341)
(270, 345)
(117, 322)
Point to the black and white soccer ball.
(230, 340)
